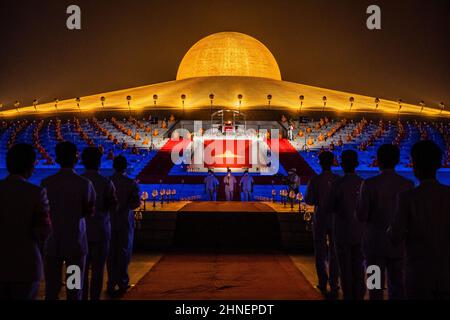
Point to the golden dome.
(228, 54)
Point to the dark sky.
(124, 44)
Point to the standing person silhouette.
(122, 228)
(347, 229)
(24, 226)
(72, 199)
(318, 195)
(229, 180)
(211, 185)
(99, 225)
(246, 186)
(376, 207)
(422, 221)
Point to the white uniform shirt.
(229, 182)
(127, 191)
(71, 198)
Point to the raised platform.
(251, 226)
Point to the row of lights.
(239, 96)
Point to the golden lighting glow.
(285, 96)
(237, 72)
(228, 54)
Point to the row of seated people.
(45, 134)
(400, 134)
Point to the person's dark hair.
(120, 164)
(388, 156)
(426, 158)
(210, 171)
(349, 160)
(91, 158)
(326, 160)
(66, 154)
(20, 159)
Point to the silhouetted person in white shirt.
(230, 181)
(99, 225)
(376, 207)
(24, 226)
(122, 228)
(318, 195)
(422, 221)
(347, 229)
(72, 199)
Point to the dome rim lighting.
(228, 53)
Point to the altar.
(228, 144)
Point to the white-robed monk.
(230, 182)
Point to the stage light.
(377, 102)
(400, 101)
(16, 105)
(352, 100)
(269, 97)
(301, 98)
(103, 99)
(35, 103)
(422, 105)
(129, 104)
(77, 99)
(240, 96)
(211, 98)
(155, 98)
(183, 97)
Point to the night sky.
(130, 43)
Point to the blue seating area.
(48, 139)
(413, 131)
(144, 138)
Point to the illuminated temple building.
(222, 67)
(226, 73)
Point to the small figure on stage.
(293, 180)
(211, 185)
(246, 185)
(229, 182)
(291, 132)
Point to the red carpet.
(224, 206)
(159, 167)
(224, 276)
(291, 158)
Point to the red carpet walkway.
(224, 276)
(291, 158)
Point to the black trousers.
(351, 271)
(95, 263)
(19, 290)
